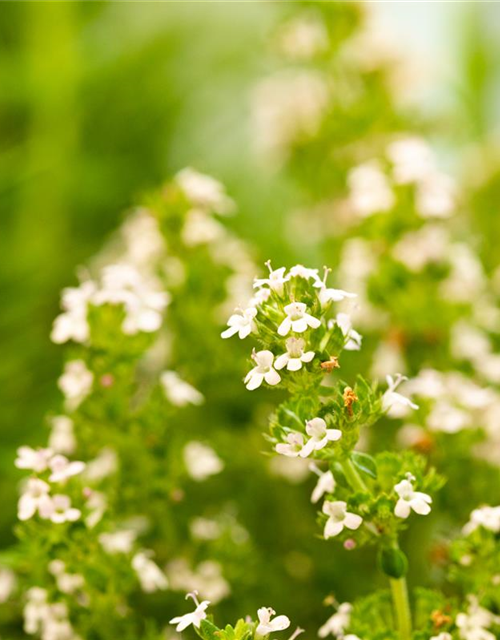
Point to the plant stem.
(352, 475)
(399, 592)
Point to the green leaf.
(365, 463)
(209, 631)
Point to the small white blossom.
(268, 624)
(338, 518)
(7, 583)
(193, 618)
(121, 541)
(204, 191)
(201, 461)
(241, 323)
(338, 622)
(435, 196)
(275, 281)
(295, 355)
(486, 517)
(327, 294)
(207, 578)
(149, 573)
(102, 466)
(35, 498)
(393, 402)
(263, 370)
(200, 228)
(474, 624)
(410, 499)
(62, 438)
(319, 436)
(293, 445)
(442, 636)
(36, 460)
(76, 382)
(72, 324)
(353, 338)
(297, 319)
(62, 511)
(370, 191)
(412, 159)
(299, 271)
(62, 468)
(179, 392)
(326, 484)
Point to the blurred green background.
(100, 102)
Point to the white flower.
(474, 624)
(303, 37)
(66, 582)
(36, 610)
(62, 438)
(327, 294)
(294, 356)
(62, 468)
(73, 324)
(320, 436)
(201, 461)
(269, 625)
(241, 323)
(7, 583)
(34, 498)
(337, 623)
(442, 636)
(207, 578)
(119, 541)
(201, 228)
(35, 459)
(410, 499)
(204, 191)
(96, 505)
(275, 281)
(412, 159)
(149, 573)
(370, 191)
(144, 243)
(263, 370)
(435, 196)
(75, 382)
(326, 484)
(102, 466)
(394, 403)
(62, 511)
(293, 446)
(353, 338)
(193, 618)
(299, 271)
(338, 518)
(179, 392)
(297, 319)
(486, 517)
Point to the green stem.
(399, 592)
(352, 475)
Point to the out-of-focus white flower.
(353, 338)
(386, 358)
(121, 541)
(149, 573)
(297, 319)
(193, 618)
(263, 370)
(303, 37)
(417, 249)
(486, 517)
(241, 323)
(205, 529)
(393, 402)
(295, 355)
(337, 624)
(207, 578)
(179, 392)
(370, 191)
(76, 382)
(144, 243)
(338, 518)
(319, 436)
(293, 469)
(62, 511)
(102, 466)
(268, 624)
(326, 484)
(66, 582)
(200, 228)
(412, 159)
(442, 636)
(299, 271)
(447, 418)
(8, 583)
(35, 498)
(36, 610)
(201, 461)
(474, 624)
(50, 620)
(72, 324)
(435, 196)
(62, 438)
(293, 445)
(204, 191)
(62, 468)
(36, 460)
(409, 499)
(288, 107)
(96, 505)
(466, 278)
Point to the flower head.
(297, 319)
(275, 281)
(338, 518)
(268, 624)
(263, 370)
(411, 500)
(319, 436)
(295, 355)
